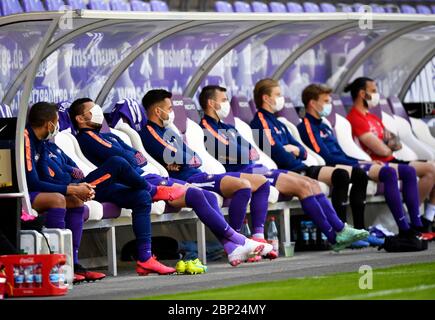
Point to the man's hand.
(173, 167)
(394, 144)
(292, 149)
(84, 191)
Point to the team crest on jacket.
(163, 182)
(210, 176)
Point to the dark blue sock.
(55, 218)
(408, 175)
(141, 222)
(259, 204)
(329, 212)
(388, 176)
(237, 208)
(74, 222)
(312, 208)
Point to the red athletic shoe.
(78, 278)
(429, 236)
(86, 274)
(270, 255)
(152, 266)
(168, 193)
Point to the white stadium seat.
(406, 153)
(422, 131)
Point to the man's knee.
(73, 202)
(340, 178)
(140, 199)
(359, 176)
(305, 188)
(117, 161)
(56, 200)
(232, 184)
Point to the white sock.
(258, 235)
(430, 212)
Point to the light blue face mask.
(326, 111)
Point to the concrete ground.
(220, 274)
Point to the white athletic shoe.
(250, 249)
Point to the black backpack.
(397, 244)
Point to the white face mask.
(326, 111)
(224, 111)
(374, 101)
(97, 114)
(279, 104)
(170, 120)
(51, 135)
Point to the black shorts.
(404, 162)
(398, 161)
(311, 172)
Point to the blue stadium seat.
(327, 7)
(137, 5)
(157, 5)
(377, 8)
(277, 7)
(407, 9)
(423, 9)
(311, 7)
(392, 8)
(258, 6)
(343, 7)
(433, 8)
(241, 6)
(294, 7)
(357, 6)
(9, 7)
(76, 4)
(223, 6)
(33, 6)
(54, 5)
(120, 5)
(99, 5)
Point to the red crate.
(46, 261)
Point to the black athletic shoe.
(409, 234)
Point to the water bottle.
(28, 277)
(62, 276)
(314, 233)
(37, 274)
(18, 276)
(245, 229)
(54, 276)
(272, 234)
(324, 239)
(305, 233)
